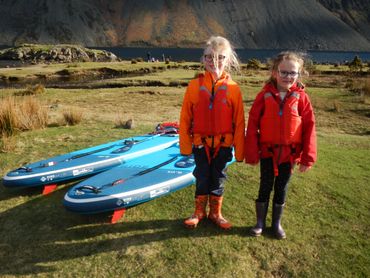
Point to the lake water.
(194, 54)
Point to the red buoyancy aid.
(212, 115)
(281, 123)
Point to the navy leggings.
(210, 177)
(268, 181)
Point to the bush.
(356, 64)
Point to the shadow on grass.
(9, 193)
(40, 232)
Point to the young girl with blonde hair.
(211, 124)
(280, 134)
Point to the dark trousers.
(268, 181)
(210, 177)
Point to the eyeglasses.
(284, 73)
(210, 57)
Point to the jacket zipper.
(211, 107)
(281, 108)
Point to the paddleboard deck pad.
(137, 181)
(87, 162)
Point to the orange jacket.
(188, 139)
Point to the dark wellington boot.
(261, 212)
(277, 212)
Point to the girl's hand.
(304, 168)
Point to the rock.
(56, 53)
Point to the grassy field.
(326, 217)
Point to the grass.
(326, 217)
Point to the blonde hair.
(218, 43)
(286, 55)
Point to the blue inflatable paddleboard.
(137, 181)
(87, 162)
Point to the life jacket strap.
(212, 152)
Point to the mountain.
(267, 24)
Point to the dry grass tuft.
(7, 144)
(21, 115)
(32, 91)
(32, 115)
(9, 119)
(121, 123)
(366, 88)
(72, 116)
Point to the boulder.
(56, 53)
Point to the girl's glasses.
(210, 57)
(284, 73)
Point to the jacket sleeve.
(239, 125)
(186, 119)
(251, 146)
(309, 147)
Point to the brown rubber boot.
(200, 211)
(261, 212)
(215, 204)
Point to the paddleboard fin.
(117, 215)
(49, 188)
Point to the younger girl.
(211, 123)
(280, 133)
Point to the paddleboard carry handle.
(89, 187)
(27, 169)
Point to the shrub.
(356, 64)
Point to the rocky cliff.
(296, 24)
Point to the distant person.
(163, 58)
(211, 124)
(149, 57)
(280, 134)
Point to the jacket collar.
(208, 76)
(270, 87)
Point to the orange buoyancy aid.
(212, 115)
(281, 123)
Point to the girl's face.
(215, 62)
(287, 74)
